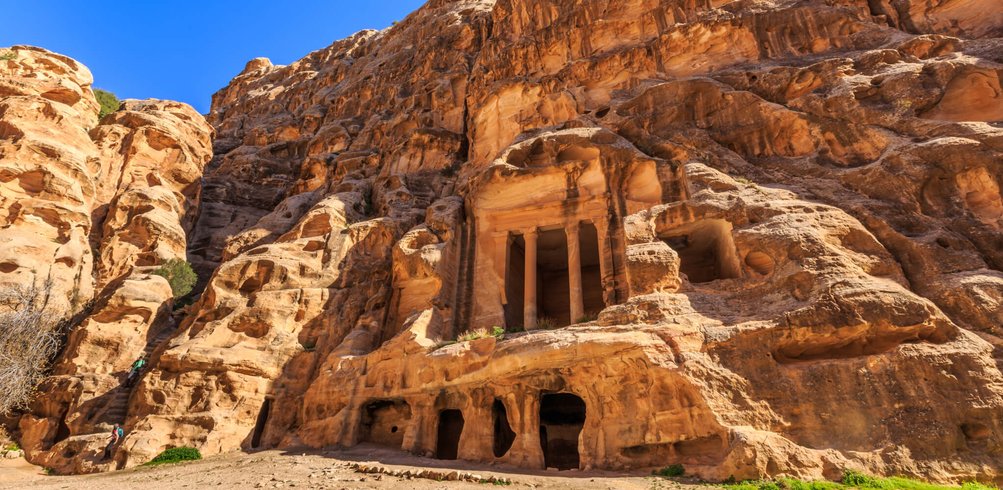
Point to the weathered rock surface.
(94, 207)
(753, 238)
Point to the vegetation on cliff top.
(108, 101)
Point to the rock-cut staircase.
(117, 408)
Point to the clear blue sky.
(186, 50)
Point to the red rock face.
(752, 238)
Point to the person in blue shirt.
(116, 437)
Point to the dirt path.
(348, 469)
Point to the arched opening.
(447, 445)
(562, 417)
(504, 435)
(384, 422)
(259, 425)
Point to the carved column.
(501, 260)
(577, 304)
(529, 290)
(605, 261)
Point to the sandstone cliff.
(750, 237)
(94, 206)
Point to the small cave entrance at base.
(62, 432)
(592, 291)
(504, 436)
(706, 250)
(384, 422)
(259, 425)
(447, 444)
(552, 277)
(515, 279)
(562, 417)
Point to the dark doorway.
(259, 426)
(504, 435)
(592, 292)
(515, 282)
(562, 417)
(384, 422)
(450, 429)
(553, 300)
(63, 432)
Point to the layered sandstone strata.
(766, 238)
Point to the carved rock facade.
(765, 237)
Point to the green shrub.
(671, 470)
(180, 276)
(590, 316)
(7, 55)
(860, 480)
(175, 455)
(109, 103)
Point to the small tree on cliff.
(109, 103)
(29, 339)
(179, 275)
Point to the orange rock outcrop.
(753, 238)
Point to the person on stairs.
(116, 436)
(134, 372)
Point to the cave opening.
(62, 432)
(259, 424)
(447, 444)
(706, 250)
(384, 422)
(562, 417)
(504, 436)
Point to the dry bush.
(29, 338)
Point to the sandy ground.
(323, 469)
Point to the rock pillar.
(605, 262)
(529, 290)
(577, 304)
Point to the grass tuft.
(546, 323)
(480, 333)
(175, 455)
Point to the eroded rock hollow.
(749, 237)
